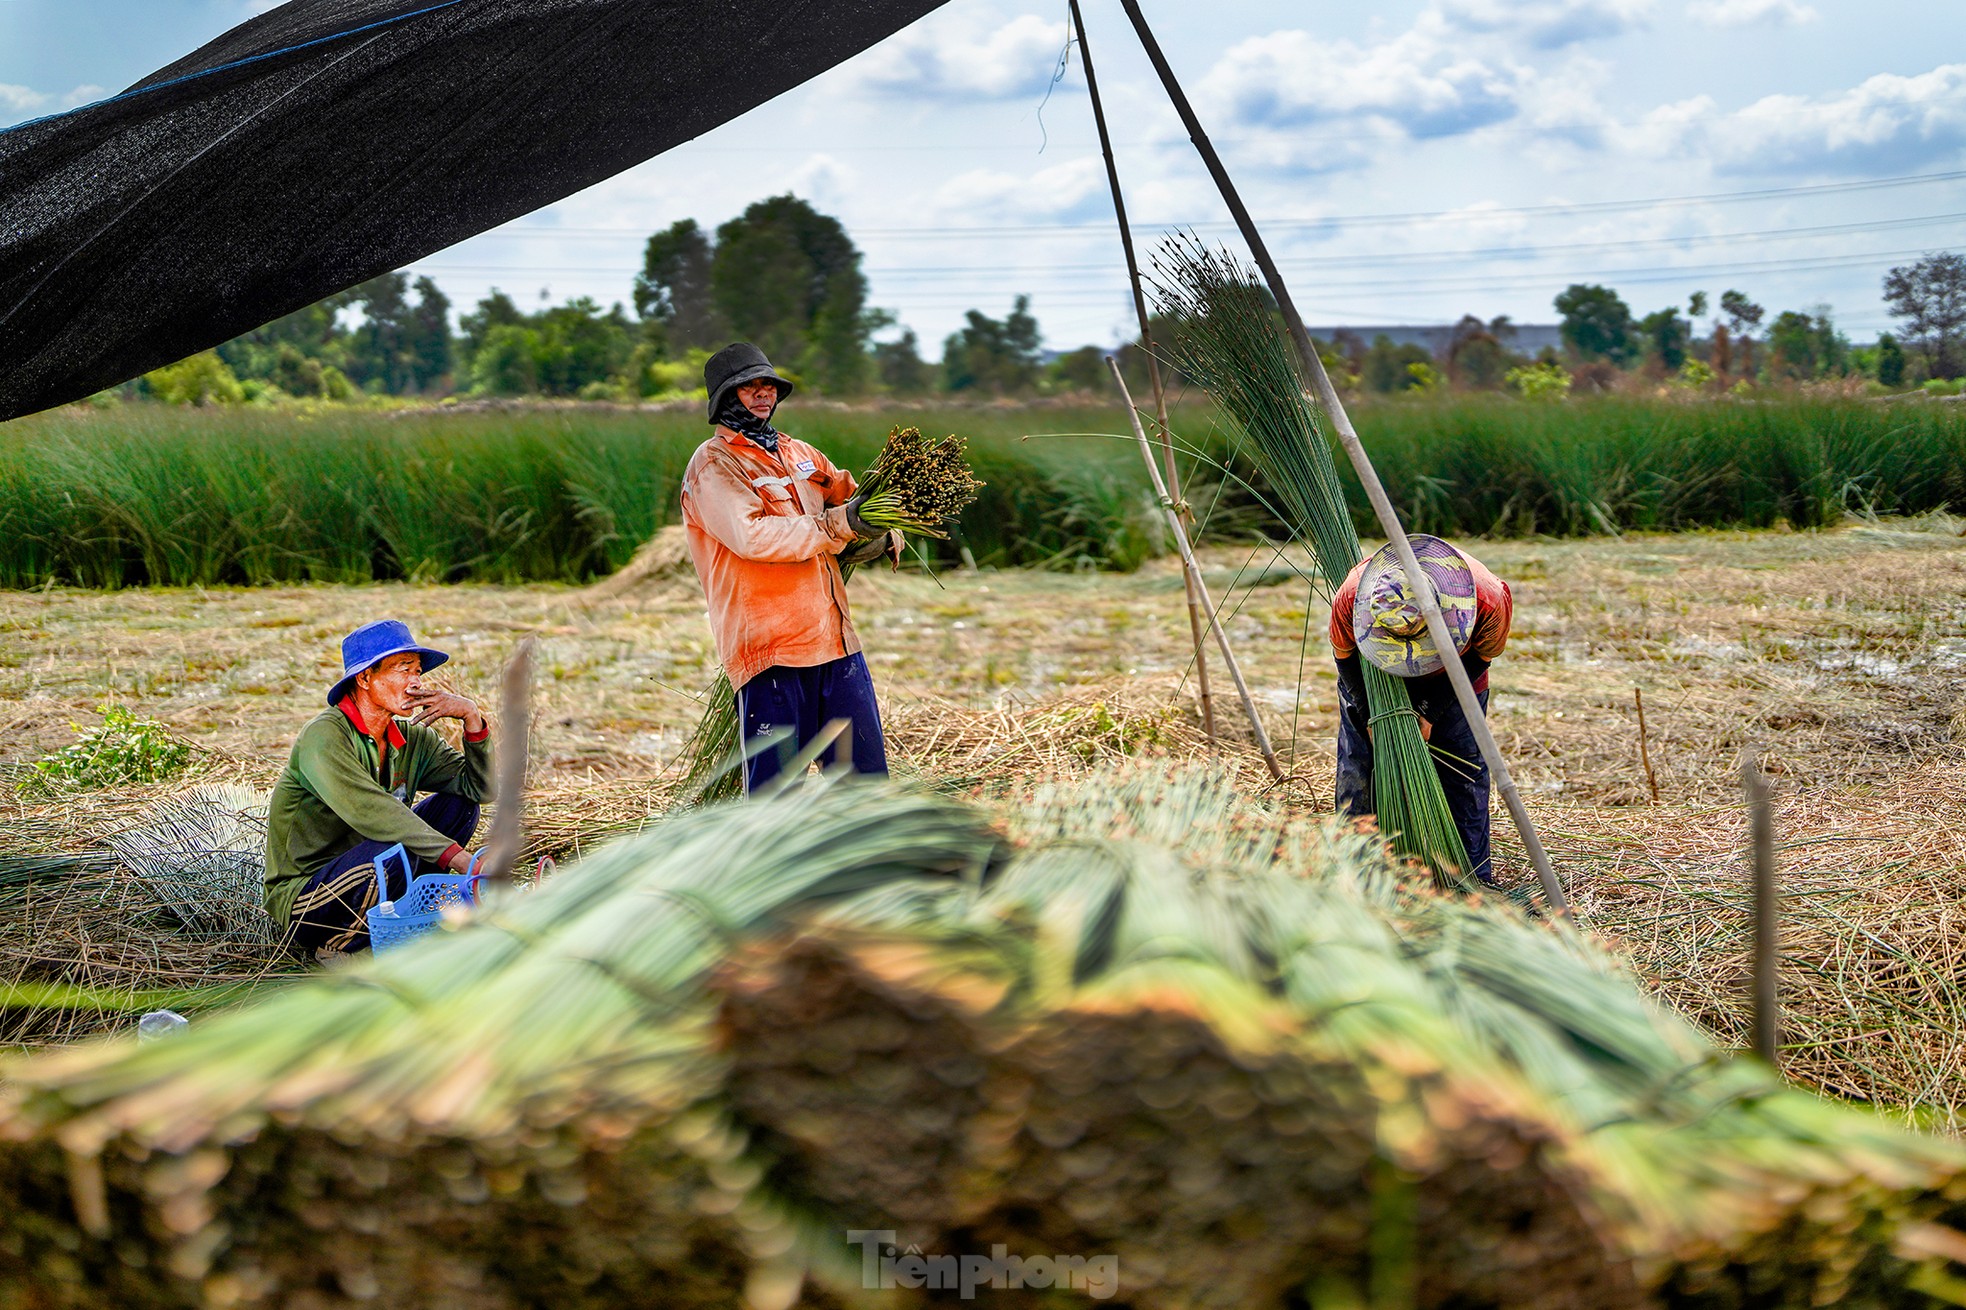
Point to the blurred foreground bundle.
(1242, 1055)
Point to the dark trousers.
(801, 702)
(1464, 777)
(330, 913)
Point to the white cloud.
(1887, 123)
(1424, 82)
(22, 99)
(19, 102)
(966, 55)
(1062, 191)
(823, 180)
(1741, 13)
(1552, 24)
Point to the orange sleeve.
(725, 505)
(1343, 644)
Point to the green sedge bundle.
(915, 486)
(1229, 340)
(1242, 1054)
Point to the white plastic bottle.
(160, 1023)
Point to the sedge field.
(1838, 655)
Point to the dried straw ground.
(1839, 656)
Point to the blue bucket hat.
(373, 643)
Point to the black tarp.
(328, 141)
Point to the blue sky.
(1427, 159)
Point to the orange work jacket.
(764, 532)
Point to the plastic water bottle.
(386, 910)
(160, 1023)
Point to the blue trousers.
(800, 703)
(331, 911)
(1464, 777)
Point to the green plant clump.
(124, 749)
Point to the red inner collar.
(347, 706)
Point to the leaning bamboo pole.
(1375, 491)
(1189, 578)
(1188, 562)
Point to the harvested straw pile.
(1144, 1020)
(1873, 932)
(164, 914)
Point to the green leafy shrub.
(1538, 381)
(125, 749)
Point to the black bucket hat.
(732, 367)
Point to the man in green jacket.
(349, 791)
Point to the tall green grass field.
(145, 495)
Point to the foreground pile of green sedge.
(1228, 1057)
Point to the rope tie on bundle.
(1392, 714)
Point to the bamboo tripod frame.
(1188, 561)
(1382, 505)
(1190, 578)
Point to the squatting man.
(350, 788)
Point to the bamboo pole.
(1761, 844)
(514, 728)
(1375, 491)
(1645, 747)
(1188, 559)
(1189, 578)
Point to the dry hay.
(147, 906)
(661, 557)
(1873, 930)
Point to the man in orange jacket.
(1374, 617)
(769, 521)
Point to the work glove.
(861, 527)
(866, 552)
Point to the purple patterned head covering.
(1386, 619)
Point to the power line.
(1103, 227)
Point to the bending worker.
(1374, 615)
(349, 791)
(769, 521)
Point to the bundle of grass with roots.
(1230, 341)
(1244, 1056)
(915, 486)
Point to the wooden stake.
(514, 729)
(1375, 491)
(1189, 579)
(1188, 559)
(1645, 750)
(1761, 842)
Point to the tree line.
(790, 278)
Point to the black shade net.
(329, 141)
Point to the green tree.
(995, 355)
(1597, 324)
(673, 290)
(1743, 317)
(1930, 296)
(787, 277)
(202, 379)
(900, 367)
(1476, 357)
(427, 339)
(1387, 368)
(495, 310)
(312, 332)
(1666, 336)
(506, 362)
(1802, 346)
(1083, 369)
(1890, 361)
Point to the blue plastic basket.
(420, 908)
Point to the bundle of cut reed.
(1245, 1055)
(1230, 340)
(914, 486)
